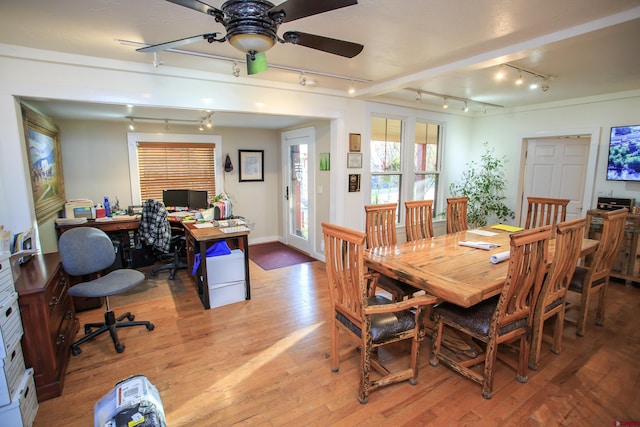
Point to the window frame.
(134, 173)
(407, 153)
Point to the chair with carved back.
(592, 274)
(545, 211)
(551, 302)
(505, 318)
(457, 214)
(381, 232)
(419, 219)
(371, 321)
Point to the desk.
(199, 239)
(458, 274)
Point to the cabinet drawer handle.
(54, 301)
(68, 315)
(60, 339)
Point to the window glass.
(386, 160)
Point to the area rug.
(274, 255)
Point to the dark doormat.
(274, 255)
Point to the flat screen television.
(624, 154)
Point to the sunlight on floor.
(235, 378)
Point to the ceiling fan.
(252, 27)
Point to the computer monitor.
(175, 198)
(198, 199)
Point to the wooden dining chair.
(551, 302)
(504, 318)
(380, 227)
(592, 275)
(371, 321)
(545, 211)
(457, 214)
(419, 219)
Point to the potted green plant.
(484, 184)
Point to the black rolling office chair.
(156, 232)
(88, 250)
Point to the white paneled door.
(557, 167)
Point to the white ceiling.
(451, 47)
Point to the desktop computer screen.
(198, 199)
(193, 199)
(175, 198)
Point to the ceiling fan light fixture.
(251, 43)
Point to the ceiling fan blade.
(198, 6)
(296, 9)
(325, 44)
(211, 37)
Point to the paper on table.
(505, 227)
(499, 257)
(204, 225)
(479, 245)
(482, 232)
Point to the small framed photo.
(354, 182)
(354, 160)
(354, 142)
(251, 165)
(325, 163)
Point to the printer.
(80, 208)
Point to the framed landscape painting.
(45, 164)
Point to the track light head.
(445, 103)
(303, 79)
(466, 107)
(352, 88)
(418, 97)
(132, 125)
(235, 69)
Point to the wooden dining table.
(442, 267)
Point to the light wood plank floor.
(264, 363)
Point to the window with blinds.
(177, 165)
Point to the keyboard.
(236, 229)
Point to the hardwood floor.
(264, 363)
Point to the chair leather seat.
(383, 325)
(113, 283)
(577, 281)
(476, 318)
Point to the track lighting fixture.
(537, 77)
(235, 69)
(132, 126)
(352, 88)
(200, 128)
(156, 60)
(467, 103)
(166, 125)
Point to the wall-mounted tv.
(624, 154)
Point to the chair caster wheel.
(75, 351)
(131, 317)
(150, 327)
(119, 348)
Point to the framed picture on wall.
(354, 160)
(354, 182)
(354, 142)
(45, 164)
(251, 165)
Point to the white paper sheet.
(482, 232)
(499, 257)
(203, 225)
(479, 245)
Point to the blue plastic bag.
(218, 248)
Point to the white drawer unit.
(6, 278)
(11, 373)
(21, 412)
(10, 325)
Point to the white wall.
(35, 73)
(507, 131)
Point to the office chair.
(156, 231)
(88, 250)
